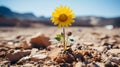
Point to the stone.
(100, 48)
(24, 45)
(64, 58)
(115, 60)
(28, 65)
(112, 41)
(78, 64)
(114, 51)
(100, 64)
(5, 63)
(102, 36)
(33, 51)
(23, 60)
(2, 54)
(54, 53)
(38, 41)
(81, 53)
(40, 56)
(88, 43)
(93, 65)
(66, 65)
(61, 57)
(4, 49)
(13, 58)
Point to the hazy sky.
(105, 8)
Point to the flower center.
(63, 17)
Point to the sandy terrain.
(50, 31)
(94, 39)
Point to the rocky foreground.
(31, 47)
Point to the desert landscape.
(31, 47)
(59, 33)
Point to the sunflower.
(63, 16)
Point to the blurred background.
(35, 13)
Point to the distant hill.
(11, 18)
(6, 12)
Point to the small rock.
(78, 64)
(81, 53)
(103, 37)
(28, 65)
(112, 41)
(10, 51)
(23, 60)
(16, 56)
(93, 65)
(4, 64)
(24, 45)
(117, 46)
(41, 40)
(115, 60)
(10, 43)
(18, 37)
(100, 64)
(114, 51)
(108, 64)
(54, 53)
(74, 46)
(4, 49)
(64, 58)
(65, 65)
(95, 33)
(40, 56)
(49, 66)
(88, 43)
(33, 51)
(51, 47)
(60, 57)
(104, 57)
(100, 49)
(2, 54)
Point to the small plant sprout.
(62, 16)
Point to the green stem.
(65, 46)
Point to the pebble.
(40, 56)
(40, 40)
(114, 51)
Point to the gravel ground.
(30, 47)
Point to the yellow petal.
(58, 12)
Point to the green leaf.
(58, 38)
(59, 35)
